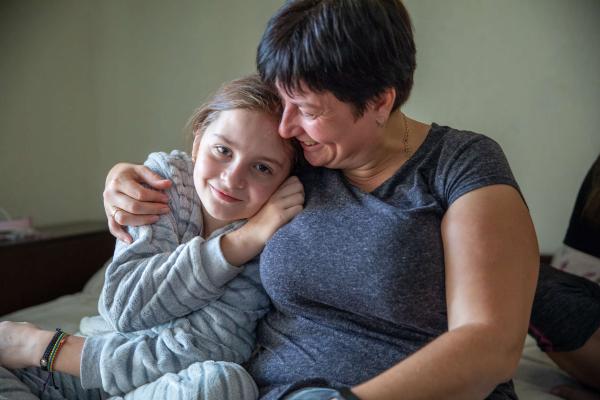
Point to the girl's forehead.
(249, 131)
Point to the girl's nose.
(234, 176)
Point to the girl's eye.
(263, 169)
(222, 150)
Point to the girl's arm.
(22, 345)
(245, 243)
(491, 264)
(222, 331)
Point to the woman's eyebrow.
(305, 104)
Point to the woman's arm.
(491, 264)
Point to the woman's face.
(240, 162)
(328, 131)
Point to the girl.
(166, 332)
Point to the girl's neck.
(211, 224)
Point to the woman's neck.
(400, 139)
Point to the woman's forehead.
(304, 96)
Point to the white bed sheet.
(535, 376)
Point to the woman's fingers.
(129, 195)
(151, 178)
(122, 217)
(118, 231)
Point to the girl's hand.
(128, 202)
(284, 204)
(243, 244)
(22, 344)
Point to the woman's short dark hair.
(355, 49)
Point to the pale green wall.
(84, 84)
(47, 123)
(526, 73)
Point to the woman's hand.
(22, 344)
(128, 202)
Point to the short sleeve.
(471, 161)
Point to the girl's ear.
(196, 145)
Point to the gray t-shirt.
(357, 279)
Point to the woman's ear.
(196, 145)
(383, 103)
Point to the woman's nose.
(287, 126)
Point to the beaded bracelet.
(47, 360)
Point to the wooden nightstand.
(36, 270)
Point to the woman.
(412, 268)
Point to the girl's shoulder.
(176, 165)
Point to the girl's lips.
(222, 195)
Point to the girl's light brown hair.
(247, 93)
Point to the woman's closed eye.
(308, 114)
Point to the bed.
(535, 376)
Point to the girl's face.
(240, 162)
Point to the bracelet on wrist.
(52, 350)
